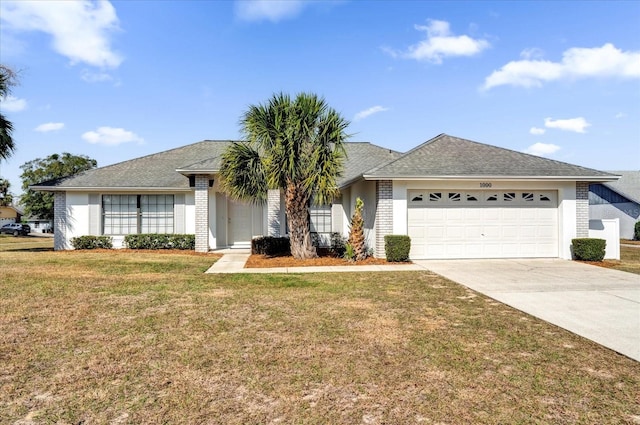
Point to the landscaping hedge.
(160, 241)
(589, 249)
(636, 231)
(269, 245)
(397, 247)
(92, 242)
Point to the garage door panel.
(476, 224)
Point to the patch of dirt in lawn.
(324, 259)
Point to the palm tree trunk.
(296, 207)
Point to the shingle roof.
(448, 156)
(167, 169)
(628, 185)
(151, 171)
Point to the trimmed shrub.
(588, 249)
(636, 231)
(397, 247)
(160, 241)
(270, 245)
(92, 242)
(338, 244)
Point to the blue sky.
(119, 80)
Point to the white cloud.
(605, 61)
(12, 104)
(440, 43)
(367, 112)
(95, 77)
(80, 30)
(620, 115)
(270, 10)
(537, 131)
(577, 125)
(50, 126)
(542, 149)
(111, 136)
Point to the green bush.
(92, 242)
(397, 247)
(589, 249)
(338, 244)
(269, 245)
(636, 231)
(160, 241)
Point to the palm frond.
(242, 174)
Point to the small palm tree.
(295, 145)
(356, 233)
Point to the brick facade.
(384, 214)
(59, 220)
(273, 212)
(202, 213)
(582, 209)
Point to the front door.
(240, 224)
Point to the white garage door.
(482, 224)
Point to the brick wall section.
(384, 214)
(59, 220)
(273, 212)
(582, 209)
(202, 213)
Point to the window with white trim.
(130, 214)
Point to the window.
(509, 196)
(156, 214)
(545, 198)
(527, 196)
(454, 196)
(417, 198)
(320, 218)
(129, 214)
(492, 197)
(471, 198)
(435, 196)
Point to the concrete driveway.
(600, 304)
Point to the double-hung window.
(130, 214)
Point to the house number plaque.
(483, 184)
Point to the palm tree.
(296, 145)
(7, 79)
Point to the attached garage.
(482, 224)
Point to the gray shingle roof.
(628, 185)
(168, 169)
(447, 156)
(151, 171)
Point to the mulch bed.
(325, 258)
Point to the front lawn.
(132, 337)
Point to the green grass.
(130, 337)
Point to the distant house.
(618, 199)
(39, 225)
(455, 198)
(9, 214)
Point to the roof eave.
(185, 172)
(489, 177)
(110, 189)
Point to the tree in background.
(5, 197)
(296, 145)
(39, 171)
(8, 79)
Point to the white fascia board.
(517, 178)
(191, 172)
(109, 189)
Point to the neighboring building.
(9, 214)
(619, 199)
(39, 225)
(456, 199)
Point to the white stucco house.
(455, 198)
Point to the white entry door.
(482, 224)
(240, 224)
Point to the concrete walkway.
(233, 261)
(600, 304)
